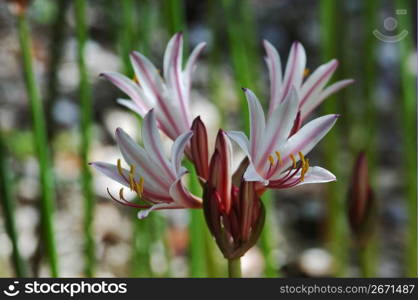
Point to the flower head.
(311, 91)
(169, 96)
(156, 179)
(277, 158)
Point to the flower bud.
(361, 203)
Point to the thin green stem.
(41, 146)
(85, 128)
(7, 203)
(409, 130)
(335, 200)
(234, 268)
(58, 37)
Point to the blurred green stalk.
(41, 146)
(85, 128)
(368, 253)
(245, 61)
(409, 110)
(58, 37)
(330, 18)
(7, 203)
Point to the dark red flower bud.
(199, 148)
(18, 7)
(361, 203)
(234, 213)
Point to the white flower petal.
(153, 145)
(278, 128)
(111, 171)
(251, 174)
(182, 197)
(295, 69)
(145, 212)
(306, 138)
(257, 122)
(275, 73)
(177, 151)
(308, 107)
(191, 64)
(241, 139)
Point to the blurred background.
(55, 216)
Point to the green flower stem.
(85, 128)
(47, 184)
(234, 268)
(58, 35)
(335, 199)
(409, 130)
(7, 204)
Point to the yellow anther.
(279, 157)
(121, 194)
(132, 170)
(302, 158)
(140, 185)
(135, 79)
(293, 160)
(271, 159)
(131, 182)
(119, 164)
(306, 72)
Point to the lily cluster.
(275, 151)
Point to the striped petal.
(274, 66)
(305, 139)
(182, 197)
(295, 69)
(130, 88)
(278, 126)
(316, 82)
(257, 122)
(147, 75)
(153, 145)
(132, 106)
(137, 156)
(177, 151)
(308, 107)
(111, 171)
(191, 64)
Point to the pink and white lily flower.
(155, 179)
(169, 96)
(277, 158)
(312, 91)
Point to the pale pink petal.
(275, 73)
(153, 145)
(136, 155)
(191, 64)
(257, 122)
(295, 69)
(130, 88)
(315, 101)
(306, 138)
(278, 127)
(145, 212)
(251, 174)
(316, 82)
(111, 171)
(172, 53)
(147, 75)
(182, 197)
(314, 175)
(132, 106)
(177, 151)
(241, 139)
